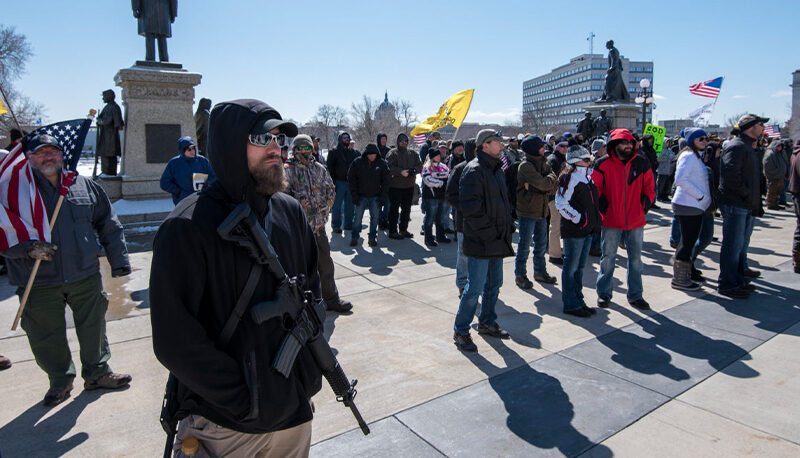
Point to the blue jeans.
(706, 235)
(531, 230)
(447, 223)
(596, 241)
(732, 255)
(484, 277)
(748, 232)
(675, 232)
(576, 251)
(434, 213)
(633, 245)
(343, 199)
(371, 204)
(461, 263)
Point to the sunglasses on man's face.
(302, 148)
(626, 142)
(345, 137)
(266, 139)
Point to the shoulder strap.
(247, 293)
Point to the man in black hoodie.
(339, 160)
(230, 399)
(383, 224)
(404, 166)
(369, 185)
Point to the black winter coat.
(368, 179)
(452, 193)
(483, 198)
(740, 175)
(232, 385)
(339, 160)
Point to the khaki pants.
(554, 249)
(217, 441)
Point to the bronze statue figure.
(155, 19)
(602, 125)
(615, 89)
(109, 123)
(201, 118)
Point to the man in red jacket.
(626, 191)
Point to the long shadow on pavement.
(29, 435)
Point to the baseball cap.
(487, 135)
(42, 140)
(749, 120)
(441, 144)
(265, 125)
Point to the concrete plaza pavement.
(700, 375)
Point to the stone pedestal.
(794, 130)
(622, 115)
(157, 100)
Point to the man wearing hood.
(187, 172)
(230, 399)
(626, 190)
(739, 203)
(201, 125)
(383, 224)
(369, 184)
(404, 166)
(339, 160)
(109, 123)
(536, 183)
(310, 183)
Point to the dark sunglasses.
(266, 139)
(627, 142)
(345, 137)
(703, 139)
(302, 148)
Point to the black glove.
(121, 271)
(42, 251)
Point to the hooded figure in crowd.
(187, 172)
(228, 389)
(339, 160)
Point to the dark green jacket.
(536, 182)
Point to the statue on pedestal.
(601, 124)
(155, 19)
(615, 89)
(109, 123)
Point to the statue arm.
(173, 10)
(136, 5)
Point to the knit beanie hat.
(577, 153)
(531, 145)
(692, 133)
(597, 145)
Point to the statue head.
(204, 104)
(603, 113)
(609, 44)
(108, 96)
(587, 114)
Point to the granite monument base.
(158, 100)
(622, 115)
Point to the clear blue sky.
(301, 54)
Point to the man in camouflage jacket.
(311, 184)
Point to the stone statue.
(586, 126)
(109, 123)
(201, 117)
(155, 19)
(601, 124)
(615, 89)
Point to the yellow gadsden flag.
(453, 111)
(3, 108)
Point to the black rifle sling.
(241, 305)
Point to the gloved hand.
(121, 271)
(42, 250)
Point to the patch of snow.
(139, 207)
(141, 229)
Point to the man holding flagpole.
(69, 272)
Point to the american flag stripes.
(772, 131)
(23, 215)
(708, 88)
(419, 139)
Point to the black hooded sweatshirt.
(384, 150)
(196, 278)
(340, 158)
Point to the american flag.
(419, 139)
(708, 88)
(772, 131)
(23, 215)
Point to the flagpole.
(35, 269)
(8, 106)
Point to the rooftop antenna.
(590, 39)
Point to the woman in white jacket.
(691, 200)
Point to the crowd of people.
(570, 197)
